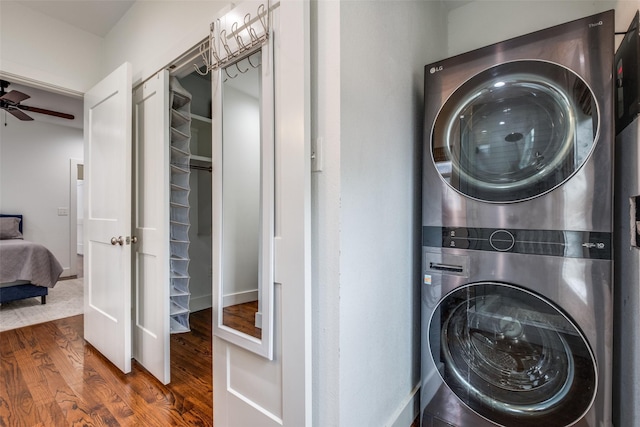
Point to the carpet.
(65, 299)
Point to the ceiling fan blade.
(19, 114)
(48, 112)
(14, 97)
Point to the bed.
(27, 269)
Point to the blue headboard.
(14, 216)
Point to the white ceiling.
(94, 16)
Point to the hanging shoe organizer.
(180, 103)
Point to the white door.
(151, 339)
(107, 216)
(251, 390)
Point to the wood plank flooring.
(242, 318)
(50, 376)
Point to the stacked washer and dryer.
(517, 231)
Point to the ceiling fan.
(10, 102)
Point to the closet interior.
(190, 196)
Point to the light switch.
(316, 155)
(635, 220)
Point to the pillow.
(9, 228)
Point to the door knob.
(117, 241)
(134, 239)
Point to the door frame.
(73, 214)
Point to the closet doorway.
(151, 229)
(200, 188)
(76, 211)
(198, 304)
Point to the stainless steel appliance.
(626, 390)
(517, 231)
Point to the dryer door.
(515, 131)
(512, 356)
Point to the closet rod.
(201, 168)
(244, 55)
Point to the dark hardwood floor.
(242, 318)
(49, 376)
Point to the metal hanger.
(209, 49)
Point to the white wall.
(241, 195)
(384, 48)
(200, 251)
(325, 212)
(367, 207)
(489, 21)
(152, 34)
(39, 48)
(34, 180)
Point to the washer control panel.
(502, 240)
(563, 243)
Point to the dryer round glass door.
(515, 131)
(512, 356)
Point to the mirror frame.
(264, 345)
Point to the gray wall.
(384, 48)
(480, 23)
(34, 180)
(366, 207)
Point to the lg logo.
(436, 69)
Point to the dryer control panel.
(563, 243)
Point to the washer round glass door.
(512, 356)
(515, 131)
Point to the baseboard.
(240, 298)
(199, 303)
(66, 273)
(407, 411)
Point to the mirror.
(241, 196)
(244, 201)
